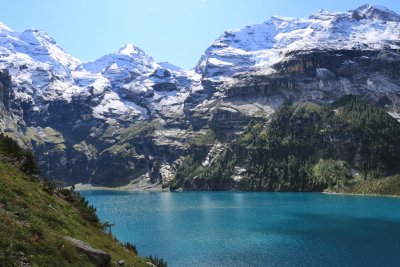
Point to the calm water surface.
(255, 229)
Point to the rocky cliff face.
(125, 116)
(348, 138)
(11, 122)
(319, 58)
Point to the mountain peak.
(369, 11)
(35, 36)
(130, 49)
(5, 27)
(323, 14)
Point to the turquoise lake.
(255, 229)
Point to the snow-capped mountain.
(258, 47)
(317, 58)
(126, 116)
(35, 61)
(136, 82)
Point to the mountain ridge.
(125, 117)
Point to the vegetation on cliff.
(304, 147)
(34, 218)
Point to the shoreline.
(131, 187)
(157, 187)
(358, 194)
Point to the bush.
(87, 211)
(159, 262)
(29, 165)
(131, 247)
(49, 186)
(107, 226)
(331, 173)
(25, 159)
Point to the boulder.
(98, 257)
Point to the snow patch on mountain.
(377, 12)
(169, 66)
(260, 46)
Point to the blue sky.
(177, 31)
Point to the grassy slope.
(32, 223)
(388, 186)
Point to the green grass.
(389, 186)
(46, 135)
(139, 130)
(260, 113)
(131, 136)
(33, 222)
(208, 138)
(85, 148)
(312, 107)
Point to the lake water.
(255, 229)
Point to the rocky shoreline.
(133, 186)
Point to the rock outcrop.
(98, 257)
